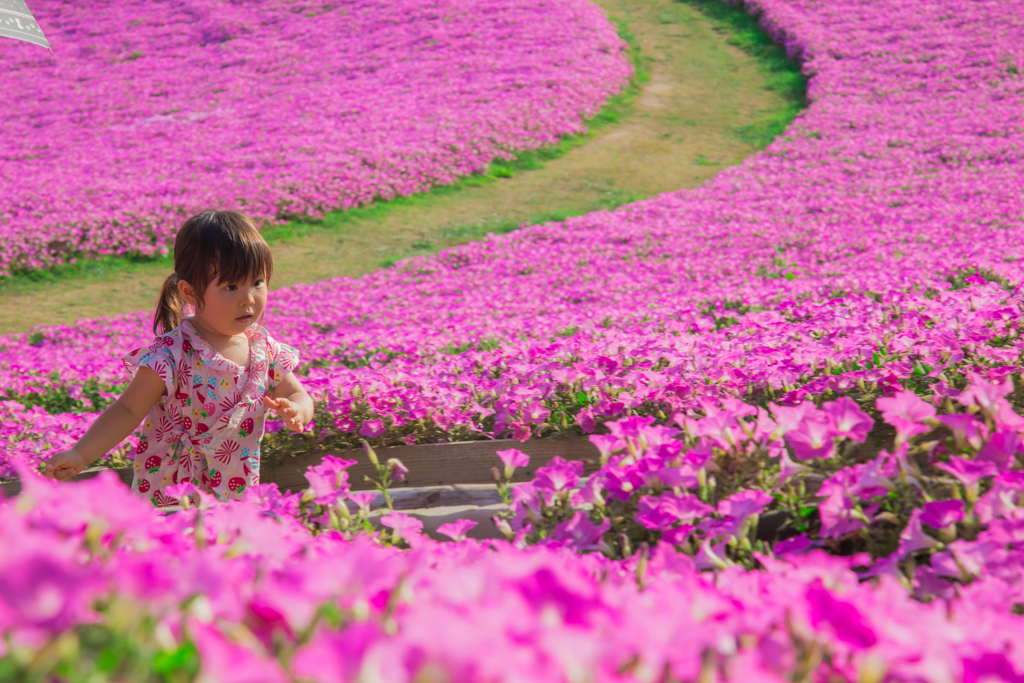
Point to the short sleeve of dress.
(283, 360)
(159, 358)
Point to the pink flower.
(580, 533)
(788, 468)
(372, 428)
(586, 421)
(969, 472)
(742, 505)
(848, 420)
(227, 661)
(813, 438)
(558, 475)
(456, 530)
(662, 511)
(345, 424)
(678, 535)
(362, 499)
(913, 538)
(402, 525)
(336, 657)
(521, 431)
(966, 428)
(842, 618)
(985, 394)
(513, 458)
(1001, 448)
(941, 513)
(396, 469)
(906, 411)
(788, 418)
(836, 513)
(329, 480)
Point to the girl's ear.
(187, 293)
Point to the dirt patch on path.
(685, 125)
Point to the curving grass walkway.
(711, 90)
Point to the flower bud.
(371, 454)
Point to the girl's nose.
(250, 296)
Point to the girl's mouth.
(244, 318)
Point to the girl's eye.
(258, 283)
(231, 288)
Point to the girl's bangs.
(245, 260)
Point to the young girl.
(203, 386)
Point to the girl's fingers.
(281, 406)
(287, 410)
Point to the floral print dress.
(207, 428)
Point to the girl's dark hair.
(211, 245)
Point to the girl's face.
(229, 307)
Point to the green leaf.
(807, 510)
(185, 658)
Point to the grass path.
(714, 91)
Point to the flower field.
(149, 112)
(804, 379)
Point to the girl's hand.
(287, 411)
(65, 465)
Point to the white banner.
(16, 21)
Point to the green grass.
(472, 231)
(784, 76)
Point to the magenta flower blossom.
(456, 530)
(520, 431)
(742, 505)
(580, 533)
(662, 511)
(513, 458)
(371, 429)
(1001, 448)
(965, 427)
(985, 394)
(345, 424)
(788, 468)
(558, 475)
(653, 513)
(913, 538)
(402, 525)
(907, 412)
(813, 438)
(362, 499)
(224, 660)
(1005, 496)
(969, 472)
(43, 589)
(847, 419)
(939, 514)
(788, 418)
(843, 618)
(836, 513)
(329, 480)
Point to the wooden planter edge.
(430, 465)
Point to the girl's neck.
(235, 347)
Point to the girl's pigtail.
(170, 307)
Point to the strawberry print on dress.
(207, 428)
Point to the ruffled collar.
(211, 357)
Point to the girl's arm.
(292, 403)
(111, 427)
